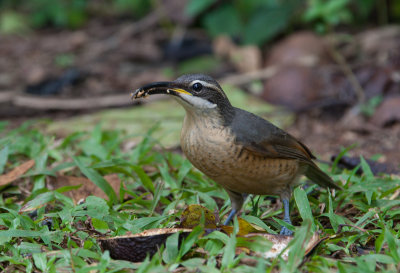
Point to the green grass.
(361, 222)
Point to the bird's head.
(196, 92)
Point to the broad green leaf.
(144, 178)
(94, 207)
(99, 225)
(256, 32)
(40, 260)
(26, 247)
(188, 242)
(165, 174)
(38, 201)
(25, 233)
(217, 235)
(193, 263)
(385, 259)
(257, 221)
(393, 244)
(170, 253)
(379, 242)
(224, 20)
(156, 196)
(195, 7)
(148, 222)
(183, 171)
(229, 252)
(208, 200)
(86, 253)
(366, 169)
(303, 205)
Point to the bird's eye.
(197, 86)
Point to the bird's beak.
(170, 88)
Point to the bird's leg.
(237, 200)
(230, 217)
(286, 217)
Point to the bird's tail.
(319, 177)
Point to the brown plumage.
(242, 152)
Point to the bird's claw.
(285, 231)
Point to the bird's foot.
(285, 231)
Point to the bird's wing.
(263, 138)
(276, 147)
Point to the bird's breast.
(212, 149)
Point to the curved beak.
(169, 88)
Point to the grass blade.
(97, 179)
(303, 205)
(3, 158)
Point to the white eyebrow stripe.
(202, 82)
(211, 86)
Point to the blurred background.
(326, 70)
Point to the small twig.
(353, 226)
(6, 96)
(74, 104)
(71, 104)
(338, 57)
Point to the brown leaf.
(294, 86)
(244, 228)
(388, 112)
(16, 173)
(135, 247)
(87, 188)
(280, 242)
(243, 58)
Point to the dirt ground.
(327, 137)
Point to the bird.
(242, 152)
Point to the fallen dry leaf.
(87, 188)
(280, 242)
(243, 58)
(388, 112)
(16, 173)
(244, 228)
(136, 247)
